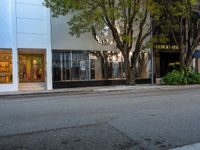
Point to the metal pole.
(152, 67)
(152, 58)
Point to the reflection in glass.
(80, 65)
(5, 66)
(56, 67)
(70, 65)
(110, 69)
(143, 65)
(31, 68)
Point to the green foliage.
(194, 78)
(180, 22)
(100, 13)
(182, 77)
(174, 78)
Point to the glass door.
(31, 68)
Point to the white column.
(48, 52)
(14, 47)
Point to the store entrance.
(31, 68)
(168, 62)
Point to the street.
(152, 119)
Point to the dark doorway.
(168, 61)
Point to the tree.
(183, 23)
(127, 21)
(103, 39)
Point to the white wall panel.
(30, 11)
(61, 39)
(38, 2)
(31, 26)
(31, 41)
(5, 24)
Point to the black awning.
(196, 54)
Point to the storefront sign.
(196, 54)
(162, 46)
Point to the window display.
(31, 68)
(70, 65)
(61, 66)
(5, 66)
(84, 66)
(80, 65)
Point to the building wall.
(6, 24)
(61, 39)
(25, 25)
(8, 40)
(34, 31)
(198, 65)
(31, 24)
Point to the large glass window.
(70, 65)
(56, 67)
(31, 67)
(5, 66)
(143, 66)
(106, 65)
(61, 65)
(80, 65)
(85, 65)
(116, 68)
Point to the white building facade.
(24, 36)
(37, 51)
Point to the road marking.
(189, 147)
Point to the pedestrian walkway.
(96, 89)
(189, 147)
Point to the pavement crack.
(55, 129)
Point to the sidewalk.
(80, 90)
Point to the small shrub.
(173, 78)
(194, 78)
(182, 76)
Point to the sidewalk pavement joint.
(94, 89)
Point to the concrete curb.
(40, 93)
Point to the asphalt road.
(145, 120)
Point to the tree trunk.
(133, 75)
(189, 59)
(182, 57)
(185, 59)
(130, 73)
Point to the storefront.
(72, 68)
(70, 65)
(76, 68)
(5, 66)
(166, 59)
(31, 68)
(36, 50)
(168, 62)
